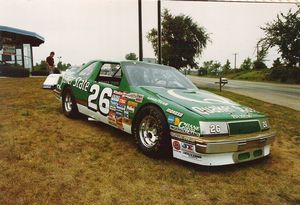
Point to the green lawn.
(46, 158)
(253, 75)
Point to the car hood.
(204, 103)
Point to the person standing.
(50, 63)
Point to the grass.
(252, 75)
(46, 158)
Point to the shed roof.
(20, 36)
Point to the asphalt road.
(280, 94)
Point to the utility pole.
(257, 51)
(235, 54)
(140, 30)
(159, 30)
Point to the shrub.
(259, 65)
(13, 71)
(284, 74)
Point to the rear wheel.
(69, 104)
(152, 132)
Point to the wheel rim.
(148, 131)
(68, 103)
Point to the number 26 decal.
(103, 103)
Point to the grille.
(243, 127)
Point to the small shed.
(16, 46)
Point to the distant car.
(165, 112)
(52, 79)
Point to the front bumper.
(213, 151)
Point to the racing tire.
(69, 104)
(151, 132)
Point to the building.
(16, 46)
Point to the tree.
(131, 56)
(247, 64)
(226, 67)
(182, 40)
(211, 67)
(284, 32)
(42, 66)
(62, 66)
(259, 63)
(277, 63)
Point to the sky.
(80, 31)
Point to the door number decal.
(104, 99)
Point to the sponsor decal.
(212, 109)
(191, 155)
(185, 149)
(176, 145)
(126, 114)
(131, 109)
(120, 107)
(186, 146)
(239, 116)
(176, 121)
(113, 107)
(112, 118)
(115, 98)
(122, 101)
(186, 128)
(119, 119)
(81, 84)
(171, 119)
(114, 102)
(157, 101)
(127, 121)
(131, 106)
(173, 112)
(119, 93)
(119, 113)
(135, 96)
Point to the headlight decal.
(213, 128)
(264, 124)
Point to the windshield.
(157, 75)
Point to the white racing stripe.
(207, 100)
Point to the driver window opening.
(110, 73)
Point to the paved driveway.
(281, 94)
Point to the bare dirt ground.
(46, 158)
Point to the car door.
(106, 101)
(81, 84)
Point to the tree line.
(183, 42)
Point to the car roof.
(132, 62)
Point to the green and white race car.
(165, 112)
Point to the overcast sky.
(80, 31)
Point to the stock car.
(165, 112)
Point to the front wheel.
(69, 104)
(152, 132)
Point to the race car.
(165, 112)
